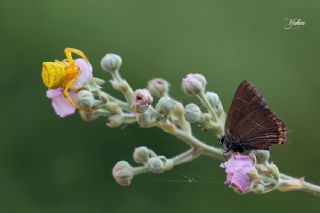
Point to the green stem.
(123, 105)
(125, 87)
(128, 118)
(217, 121)
(184, 157)
(177, 160)
(208, 106)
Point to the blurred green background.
(49, 164)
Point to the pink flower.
(60, 104)
(238, 169)
(142, 99)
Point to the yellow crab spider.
(62, 74)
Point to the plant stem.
(177, 160)
(184, 157)
(125, 87)
(123, 105)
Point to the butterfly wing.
(250, 121)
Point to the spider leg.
(74, 88)
(66, 93)
(68, 51)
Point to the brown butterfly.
(250, 123)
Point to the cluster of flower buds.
(153, 162)
(147, 115)
(141, 105)
(268, 173)
(195, 85)
(123, 172)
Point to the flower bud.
(115, 121)
(259, 189)
(273, 170)
(122, 86)
(215, 102)
(205, 121)
(165, 105)
(156, 165)
(87, 115)
(194, 84)
(85, 99)
(141, 154)
(158, 87)
(260, 156)
(148, 119)
(111, 62)
(122, 173)
(192, 113)
(141, 100)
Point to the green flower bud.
(85, 99)
(115, 121)
(111, 62)
(215, 102)
(194, 84)
(121, 165)
(156, 165)
(274, 171)
(123, 177)
(122, 173)
(259, 189)
(87, 115)
(192, 113)
(158, 87)
(165, 105)
(205, 120)
(148, 119)
(141, 155)
(260, 156)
